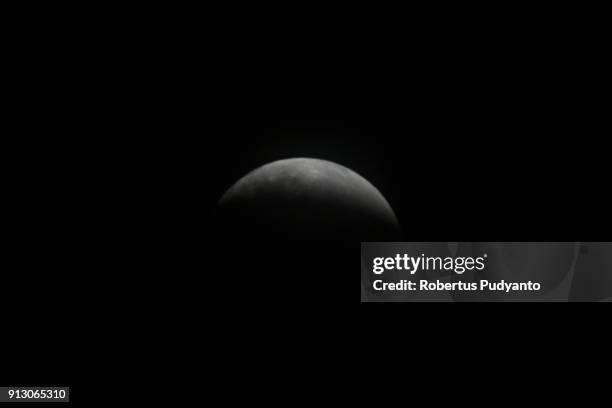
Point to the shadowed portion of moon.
(306, 199)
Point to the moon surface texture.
(304, 198)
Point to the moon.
(306, 198)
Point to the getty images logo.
(411, 264)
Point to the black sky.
(463, 150)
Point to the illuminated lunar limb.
(304, 198)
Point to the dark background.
(495, 146)
(468, 138)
